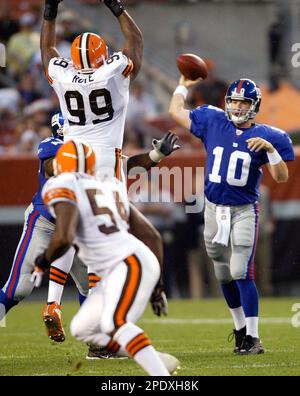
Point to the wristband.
(50, 11)
(181, 90)
(115, 6)
(274, 158)
(156, 156)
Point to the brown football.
(191, 66)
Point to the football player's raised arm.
(48, 37)
(177, 108)
(178, 111)
(134, 43)
(67, 218)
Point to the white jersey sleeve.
(118, 64)
(60, 189)
(57, 69)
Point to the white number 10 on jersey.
(214, 176)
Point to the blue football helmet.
(58, 124)
(242, 89)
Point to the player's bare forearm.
(48, 42)
(279, 172)
(178, 111)
(48, 168)
(140, 161)
(142, 229)
(134, 42)
(67, 217)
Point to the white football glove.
(37, 276)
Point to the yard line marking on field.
(167, 321)
(253, 365)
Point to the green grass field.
(194, 331)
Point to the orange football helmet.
(88, 51)
(75, 156)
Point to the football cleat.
(251, 346)
(52, 320)
(97, 352)
(171, 362)
(239, 336)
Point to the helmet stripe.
(80, 156)
(88, 50)
(239, 87)
(80, 51)
(76, 154)
(84, 50)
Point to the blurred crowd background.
(237, 38)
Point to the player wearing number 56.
(94, 216)
(236, 149)
(93, 86)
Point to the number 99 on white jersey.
(94, 104)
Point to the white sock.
(149, 359)
(252, 326)
(55, 292)
(238, 317)
(59, 271)
(138, 346)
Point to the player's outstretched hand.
(53, 2)
(167, 144)
(37, 276)
(159, 301)
(188, 83)
(256, 144)
(115, 6)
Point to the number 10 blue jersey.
(233, 172)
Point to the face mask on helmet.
(242, 90)
(58, 126)
(88, 52)
(74, 156)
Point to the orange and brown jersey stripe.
(137, 343)
(129, 68)
(113, 346)
(50, 79)
(59, 193)
(130, 288)
(93, 280)
(118, 153)
(58, 276)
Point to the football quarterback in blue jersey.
(236, 149)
